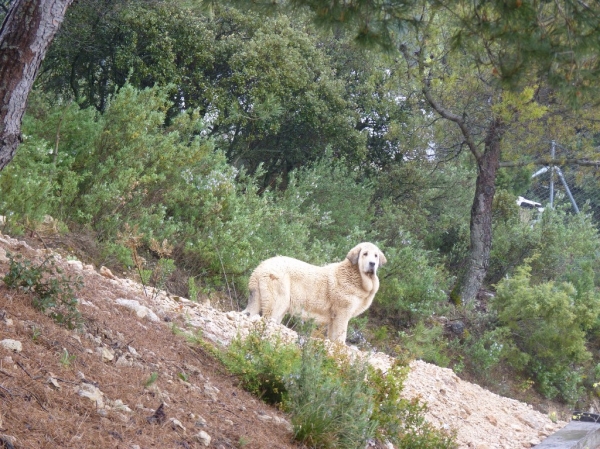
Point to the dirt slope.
(103, 386)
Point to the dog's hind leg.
(280, 299)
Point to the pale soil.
(97, 397)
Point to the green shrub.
(411, 284)
(334, 402)
(399, 420)
(331, 406)
(547, 324)
(482, 354)
(515, 238)
(262, 364)
(426, 342)
(52, 291)
(41, 178)
(568, 250)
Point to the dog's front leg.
(338, 328)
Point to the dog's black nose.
(372, 264)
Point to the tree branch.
(444, 113)
(550, 161)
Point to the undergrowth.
(333, 401)
(51, 290)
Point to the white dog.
(330, 295)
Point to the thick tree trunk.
(25, 36)
(481, 215)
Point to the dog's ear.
(382, 259)
(353, 254)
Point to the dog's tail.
(253, 307)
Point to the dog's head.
(367, 256)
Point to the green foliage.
(52, 291)
(334, 402)
(412, 285)
(262, 364)
(427, 206)
(426, 342)
(568, 250)
(151, 379)
(547, 324)
(399, 420)
(331, 408)
(514, 236)
(67, 359)
(169, 184)
(265, 84)
(43, 177)
(193, 290)
(339, 200)
(483, 354)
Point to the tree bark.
(488, 162)
(481, 215)
(27, 31)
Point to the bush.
(426, 342)
(262, 364)
(334, 402)
(331, 405)
(52, 291)
(484, 353)
(568, 250)
(411, 284)
(40, 179)
(514, 240)
(399, 420)
(546, 323)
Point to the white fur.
(330, 295)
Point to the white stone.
(77, 264)
(53, 383)
(106, 273)
(106, 354)
(203, 438)
(176, 425)
(12, 345)
(92, 393)
(200, 422)
(140, 310)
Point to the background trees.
(197, 143)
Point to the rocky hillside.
(126, 380)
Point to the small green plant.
(195, 338)
(183, 376)
(243, 441)
(151, 379)
(52, 291)
(193, 289)
(35, 333)
(66, 359)
(426, 342)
